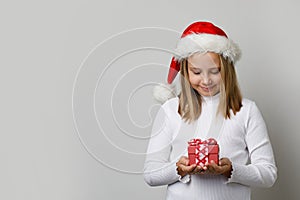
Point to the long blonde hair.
(190, 100)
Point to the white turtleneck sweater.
(243, 139)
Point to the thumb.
(222, 162)
(186, 161)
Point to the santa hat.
(199, 37)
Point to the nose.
(206, 79)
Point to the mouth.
(207, 89)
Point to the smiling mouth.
(207, 88)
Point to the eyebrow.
(196, 68)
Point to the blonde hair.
(190, 100)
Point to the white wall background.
(43, 44)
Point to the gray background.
(47, 55)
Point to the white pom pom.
(163, 92)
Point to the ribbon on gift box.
(197, 141)
(203, 151)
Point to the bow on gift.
(210, 141)
(203, 151)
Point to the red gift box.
(201, 152)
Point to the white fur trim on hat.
(163, 92)
(203, 43)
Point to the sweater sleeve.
(262, 171)
(158, 169)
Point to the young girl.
(205, 58)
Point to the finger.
(224, 161)
(212, 164)
(210, 169)
(184, 160)
(197, 170)
(204, 166)
(214, 168)
(187, 169)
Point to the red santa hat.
(199, 37)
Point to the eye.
(215, 71)
(196, 71)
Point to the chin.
(207, 94)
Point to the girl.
(205, 58)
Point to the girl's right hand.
(183, 167)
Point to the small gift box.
(201, 152)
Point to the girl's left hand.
(223, 168)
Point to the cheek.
(217, 79)
(193, 79)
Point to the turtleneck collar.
(212, 99)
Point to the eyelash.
(197, 73)
(216, 72)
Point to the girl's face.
(204, 73)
